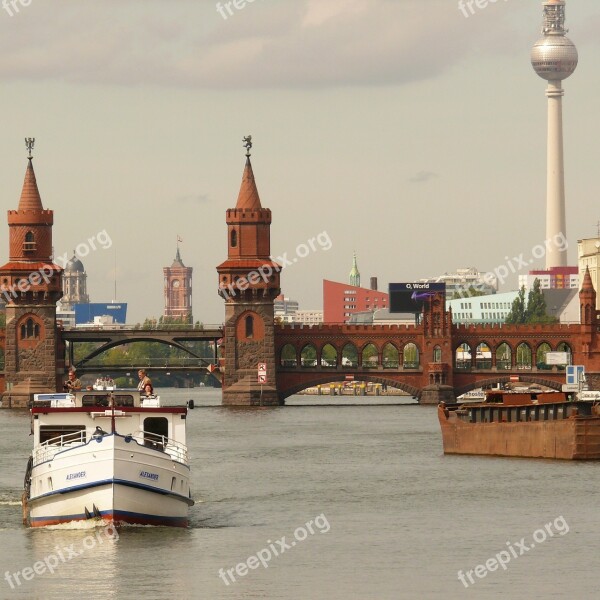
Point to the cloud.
(266, 44)
(423, 176)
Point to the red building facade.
(341, 300)
(178, 290)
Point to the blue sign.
(575, 374)
(86, 313)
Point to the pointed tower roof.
(587, 286)
(30, 196)
(355, 273)
(177, 262)
(248, 198)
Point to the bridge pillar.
(249, 284)
(434, 394)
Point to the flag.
(179, 239)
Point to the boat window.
(173, 482)
(155, 429)
(62, 434)
(102, 400)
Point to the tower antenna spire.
(554, 58)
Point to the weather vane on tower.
(29, 144)
(247, 144)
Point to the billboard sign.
(557, 358)
(88, 313)
(410, 297)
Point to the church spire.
(354, 273)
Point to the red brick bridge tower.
(249, 284)
(31, 285)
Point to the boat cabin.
(69, 419)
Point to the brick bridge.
(433, 360)
(402, 356)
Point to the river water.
(369, 506)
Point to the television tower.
(554, 58)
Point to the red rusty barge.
(544, 425)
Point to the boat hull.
(113, 478)
(574, 438)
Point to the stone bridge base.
(248, 392)
(21, 395)
(434, 394)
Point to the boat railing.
(48, 449)
(176, 450)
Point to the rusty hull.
(574, 438)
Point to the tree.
(535, 311)
(536, 306)
(518, 313)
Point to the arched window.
(410, 356)
(29, 243)
(233, 243)
(503, 356)
(483, 356)
(30, 330)
(249, 326)
(523, 356)
(437, 355)
(391, 357)
(288, 356)
(349, 356)
(540, 356)
(308, 356)
(370, 357)
(462, 356)
(328, 356)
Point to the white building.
(463, 280)
(588, 256)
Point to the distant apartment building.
(588, 255)
(494, 308)
(342, 300)
(287, 311)
(460, 282)
(554, 278)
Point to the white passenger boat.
(112, 455)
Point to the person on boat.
(144, 380)
(73, 383)
(148, 391)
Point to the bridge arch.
(524, 356)
(349, 355)
(390, 356)
(369, 356)
(320, 379)
(122, 342)
(504, 354)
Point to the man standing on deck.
(144, 380)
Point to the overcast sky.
(401, 128)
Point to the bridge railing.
(157, 362)
(140, 327)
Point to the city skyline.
(417, 138)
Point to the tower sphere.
(554, 57)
